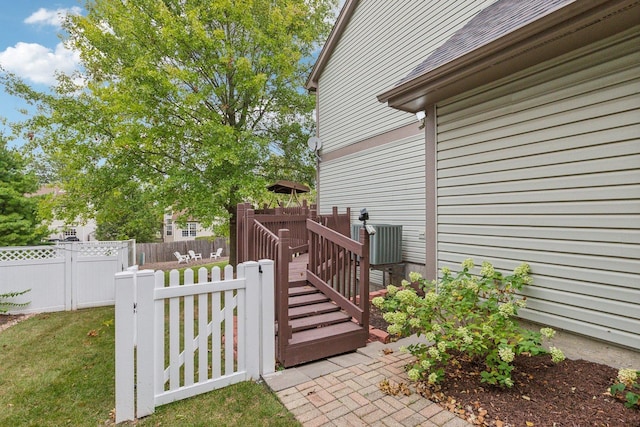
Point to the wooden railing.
(339, 268)
(265, 242)
(292, 219)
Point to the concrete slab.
(579, 347)
(373, 349)
(350, 359)
(405, 342)
(319, 368)
(285, 379)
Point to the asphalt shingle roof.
(492, 23)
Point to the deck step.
(312, 310)
(319, 321)
(306, 299)
(302, 290)
(316, 335)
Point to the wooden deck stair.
(322, 278)
(315, 319)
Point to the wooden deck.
(322, 291)
(298, 269)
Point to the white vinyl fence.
(67, 276)
(178, 341)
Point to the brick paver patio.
(343, 391)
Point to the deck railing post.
(241, 227)
(250, 243)
(364, 278)
(282, 292)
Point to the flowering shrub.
(628, 380)
(466, 314)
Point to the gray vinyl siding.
(389, 182)
(383, 42)
(544, 168)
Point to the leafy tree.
(199, 101)
(126, 214)
(19, 222)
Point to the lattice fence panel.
(102, 250)
(29, 254)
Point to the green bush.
(467, 315)
(6, 305)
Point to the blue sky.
(30, 46)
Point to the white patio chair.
(217, 254)
(194, 255)
(181, 258)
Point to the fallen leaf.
(529, 424)
(499, 423)
(526, 397)
(92, 333)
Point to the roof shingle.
(492, 23)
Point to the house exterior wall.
(373, 156)
(370, 179)
(544, 168)
(383, 42)
(172, 232)
(85, 232)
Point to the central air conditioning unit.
(385, 246)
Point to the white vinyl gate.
(179, 341)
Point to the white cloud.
(51, 17)
(37, 63)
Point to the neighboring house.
(61, 230)
(529, 151)
(172, 232)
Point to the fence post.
(267, 317)
(145, 314)
(252, 319)
(68, 275)
(124, 318)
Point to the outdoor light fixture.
(364, 217)
(420, 116)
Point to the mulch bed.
(8, 320)
(571, 393)
(375, 318)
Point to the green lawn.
(195, 269)
(57, 369)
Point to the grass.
(57, 369)
(195, 269)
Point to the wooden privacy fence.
(254, 227)
(193, 338)
(162, 252)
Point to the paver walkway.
(343, 391)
